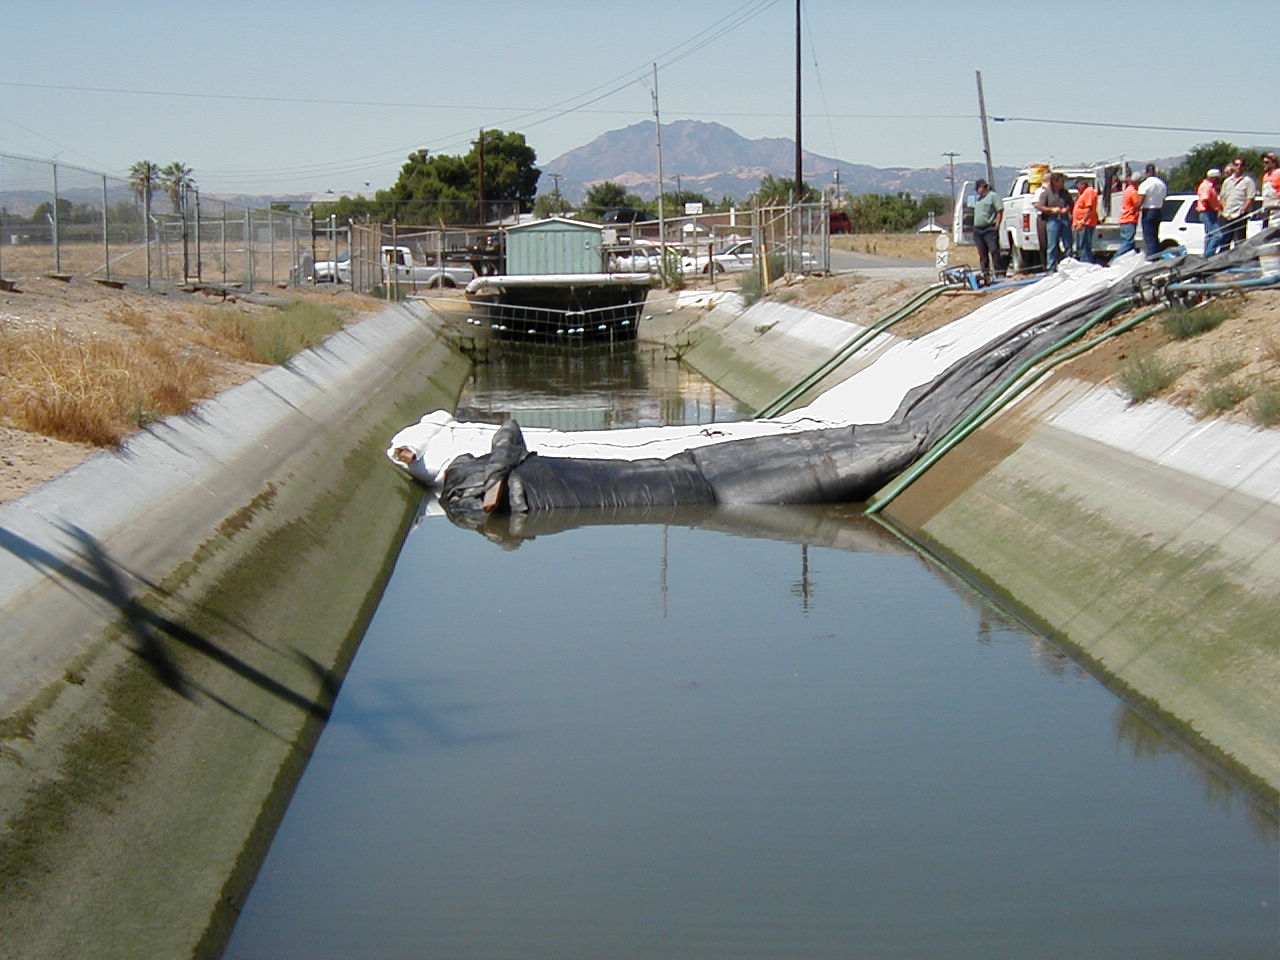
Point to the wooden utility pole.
(657, 138)
(986, 139)
(481, 175)
(799, 166)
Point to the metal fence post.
(199, 271)
(248, 247)
(146, 226)
(106, 241)
(224, 243)
(53, 222)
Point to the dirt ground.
(82, 307)
(1249, 342)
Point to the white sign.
(692, 209)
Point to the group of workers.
(1223, 203)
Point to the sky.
(284, 97)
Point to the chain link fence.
(63, 221)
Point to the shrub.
(1183, 323)
(1147, 374)
(1222, 396)
(751, 287)
(1265, 408)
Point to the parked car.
(838, 222)
(738, 256)
(624, 215)
(1180, 224)
(635, 256)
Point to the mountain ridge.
(714, 160)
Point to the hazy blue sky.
(299, 97)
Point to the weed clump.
(1147, 374)
(1222, 396)
(1264, 408)
(1183, 323)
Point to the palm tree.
(145, 177)
(177, 180)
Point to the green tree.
(1186, 176)
(883, 212)
(510, 172)
(551, 205)
(443, 188)
(609, 196)
(779, 191)
(673, 202)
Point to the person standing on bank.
(1238, 192)
(1270, 190)
(1209, 205)
(987, 214)
(1153, 191)
(1084, 217)
(1054, 203)
(1130, 210)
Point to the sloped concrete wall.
(1144, 540)
(177, 619)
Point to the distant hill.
(712, 159)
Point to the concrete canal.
(749, 733)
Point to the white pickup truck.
(1021, 228)
(400, 264)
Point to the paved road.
(844, 260)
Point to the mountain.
(711, 159)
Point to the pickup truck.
(1021, 229)
(400, 264)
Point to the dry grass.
(912, 246)
(98, 386)
(95, 390)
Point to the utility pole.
(799, 166)
(657, 131)
(481, 178)
(555, 179)
(951, 160)
(986, 139)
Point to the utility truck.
(1022, 230)
(399, 264)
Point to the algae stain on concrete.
(1176, 626)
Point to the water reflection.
(747, 731)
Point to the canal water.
(749, 733)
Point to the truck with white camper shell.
(1022, 230)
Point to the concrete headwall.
(177, 619)
(1145, 541)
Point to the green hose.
(797, 389)
(999, 398)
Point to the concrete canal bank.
(176, 619)
(1144, 541)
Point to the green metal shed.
(555, 245)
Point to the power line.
(1137, 126)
